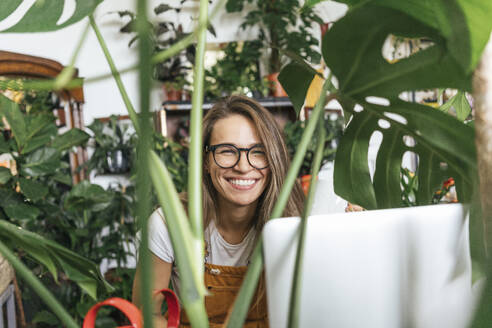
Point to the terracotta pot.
(171, 94)
(305, 182)
(276, 89)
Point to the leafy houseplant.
(284, 27)
(113, 147)
(224, 78)
(172, 71)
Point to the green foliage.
(224, 78)
(293, 132)
(282, 26)
(164, 33)
(43, 15)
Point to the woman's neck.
(234, 221)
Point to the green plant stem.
(195, 155)
(114, 72)
(295, 292)
(143, 149)
(67, 73)
(243, 300)
(192, 288)
(38, 287)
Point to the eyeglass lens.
(227, 156)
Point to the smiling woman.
(245, 164)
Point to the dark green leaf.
(71, 138)
(84, 272)
(46, 317)
(33, 190)
(4, 146)
(22, 212)
(5, 175)
(211, 29)
(295, 80)
(63, 178)
(360, 68)
(41, 162)
(43, 15)
(14, 117)
(87, 196)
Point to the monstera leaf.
(55, 257)
(44, 16)
(369, 89)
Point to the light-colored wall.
(102, 97)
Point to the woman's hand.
(353, 208)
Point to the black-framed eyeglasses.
(228, 155)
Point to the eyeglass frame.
(212, 148)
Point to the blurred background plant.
(237, 72)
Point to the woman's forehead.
(235, 129)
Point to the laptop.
(390, 268)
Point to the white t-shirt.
(220, 252)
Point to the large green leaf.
(360, 68)
(77, 268)
(43, 15)
(41, 129)
(440, 138)
(4, 146)
(33, 190)
(10, 110)
(8, 7)
(87, 196)
(71, 138)
(295, 80)
(41, 162)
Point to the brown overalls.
(223, 283)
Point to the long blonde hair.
(277, 155)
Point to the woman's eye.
(227, 151)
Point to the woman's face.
(242, 184)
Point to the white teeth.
(242, 182)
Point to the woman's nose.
(243, 164)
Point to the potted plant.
(172, 71)
(224, 78)
(283, 28)
(113, 147)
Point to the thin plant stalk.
(143, 148)
(195, 168)
(66, 74)
(295, 291)
(116, 75)
(38, 287)
(243, 300)
(192, 287)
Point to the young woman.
(245, 164)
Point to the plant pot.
(171, 94)
(305, 182)
(118, 161)
(276, 89)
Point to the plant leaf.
(23, 212)
(33, 190)
(85, 196)
(43, 15)
(461, 106)
(7, 7)
(41, 162)
(360, 68)
(5, 175)
(14, 117)
(295, 80)
(439, 138)
(77, 268)
(71, 138)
